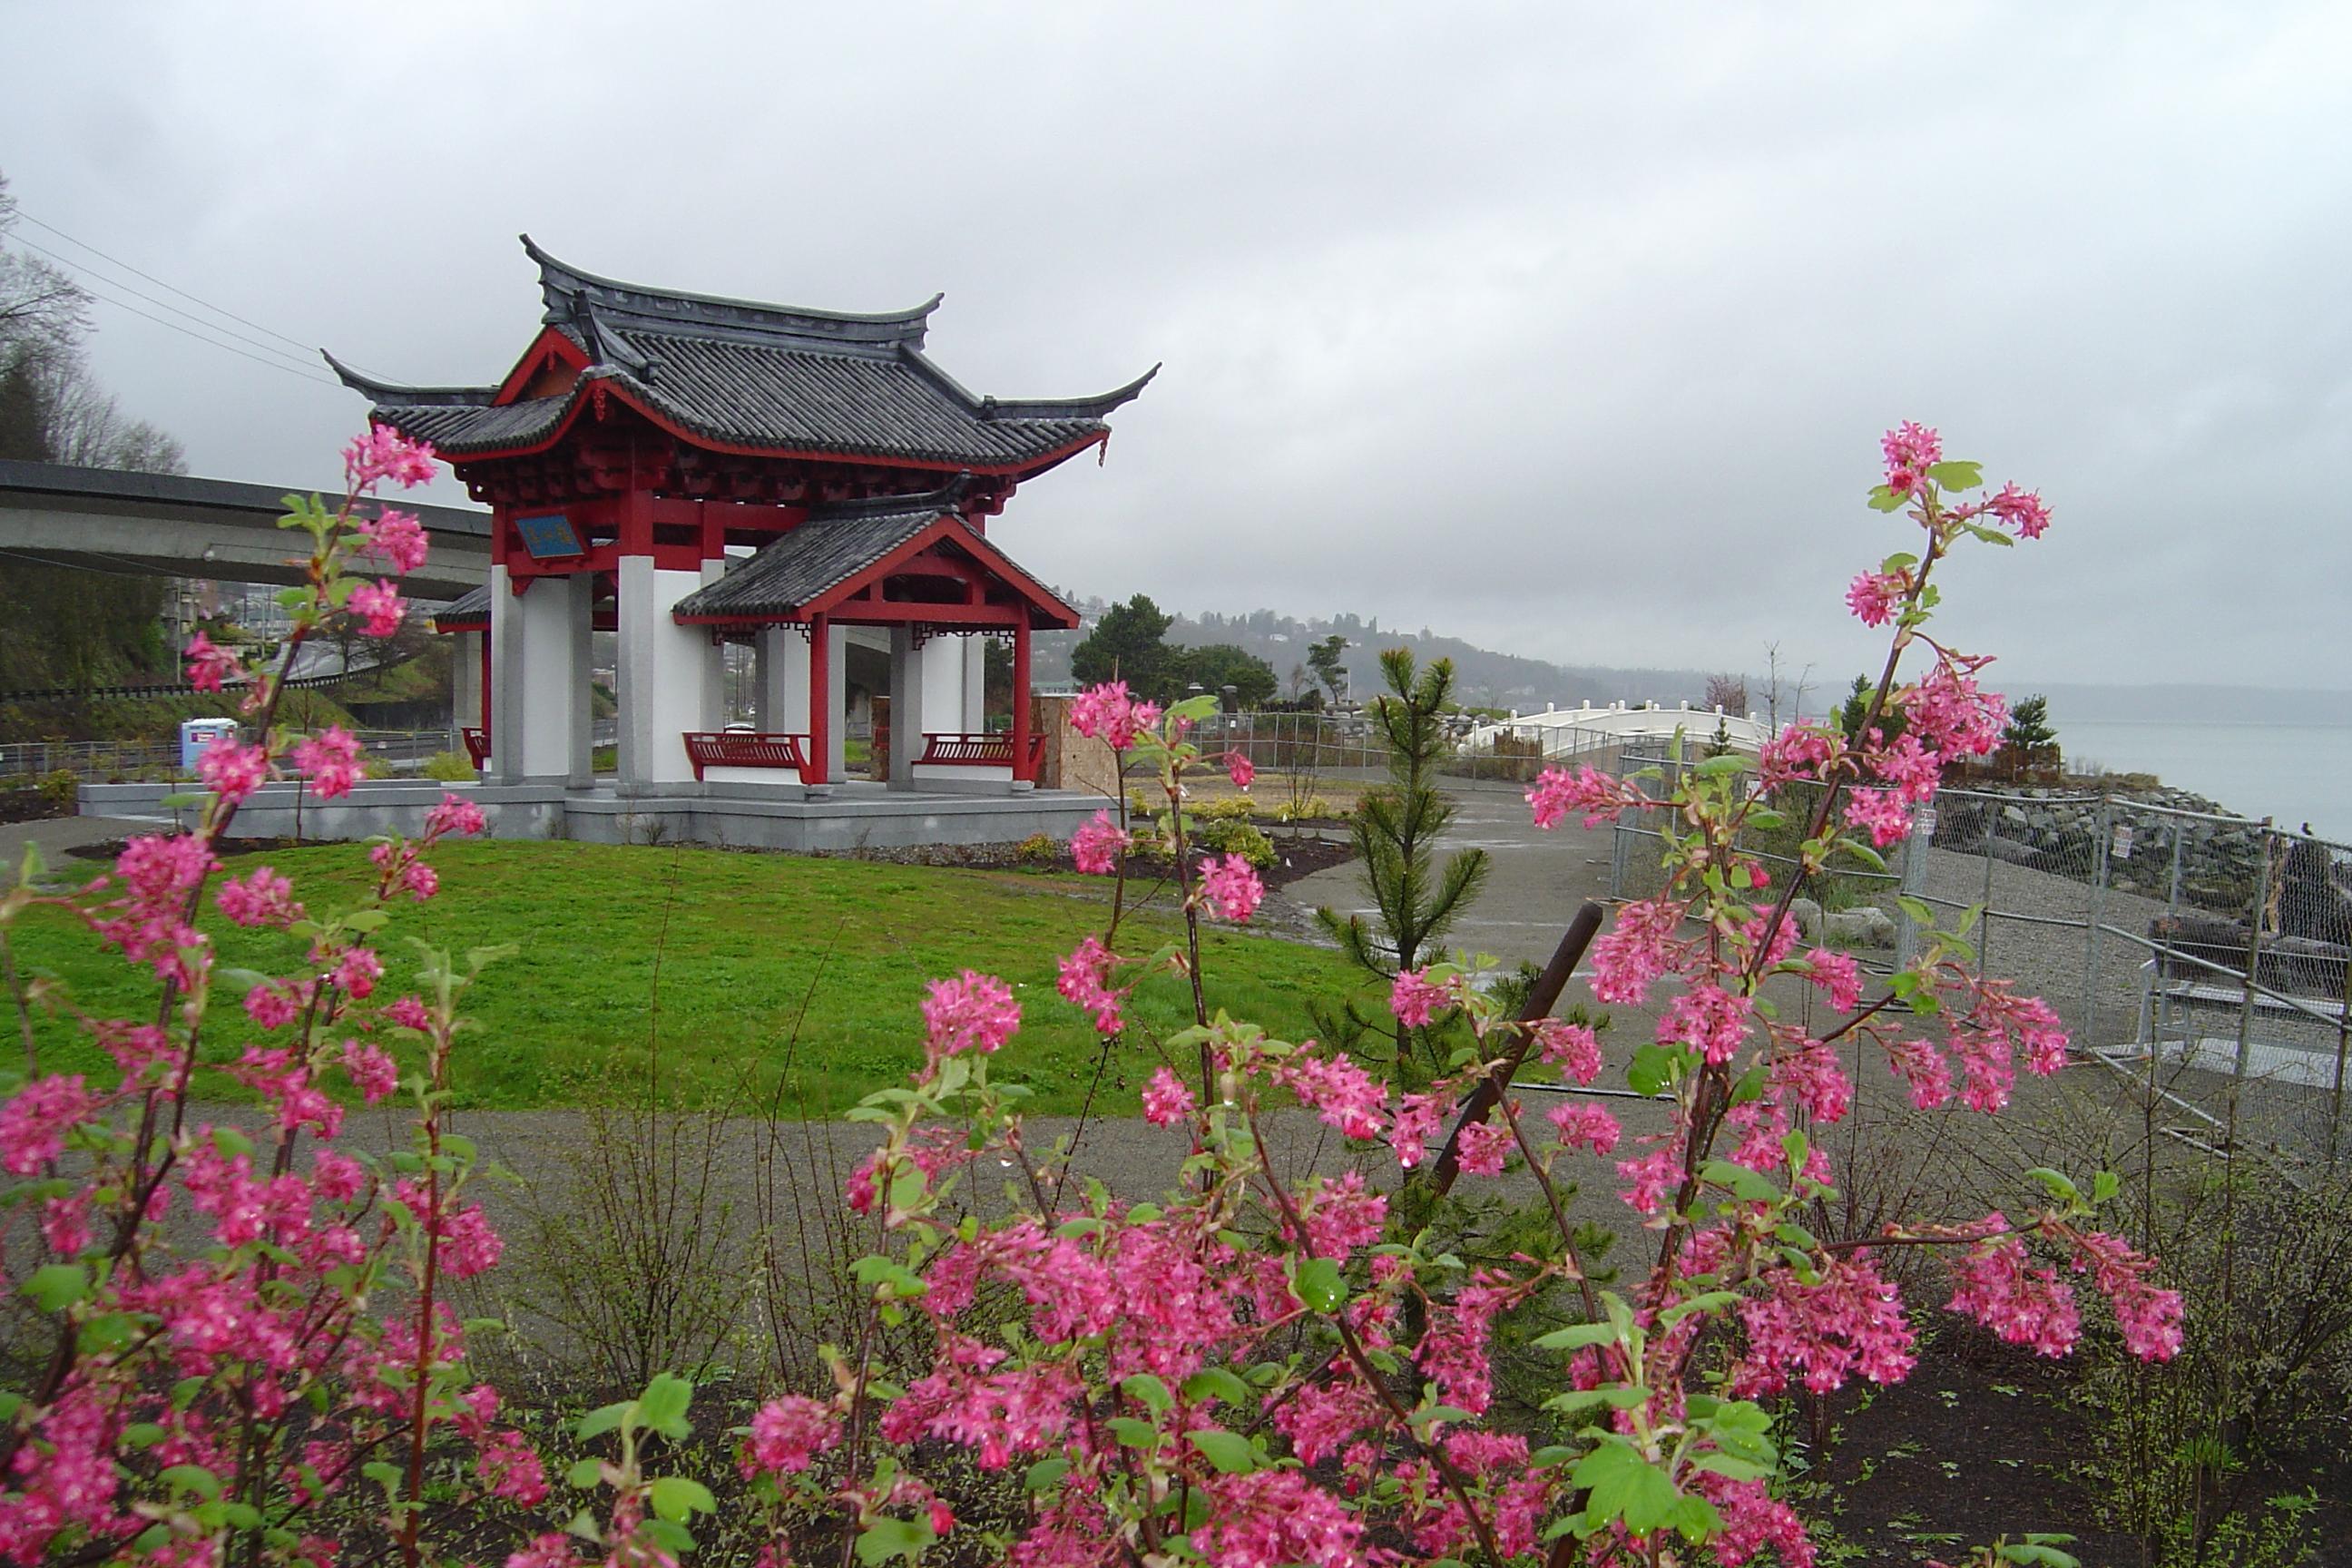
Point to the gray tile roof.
(464, 612)
(835, 545)
(741, 373)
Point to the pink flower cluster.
(973, 1012)
(1107, 714)
(1232, 887)
(379, 606)
(209, 665)
(1086, 981)
(1096, 847)
(1910, 449)
(397, 538)
(1414, 997)
(1600, 797)
(384, 454)
(331, 760)
(1166, 1100)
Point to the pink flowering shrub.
(283, 1354)
(1258, 1370)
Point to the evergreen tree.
(1128, 644)
(1216, 666)
(1324, 659)
(1396, 829)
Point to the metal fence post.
(2098, 918)
(1914, 882)
(2258, 907)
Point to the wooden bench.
(477, 744)
(990, 750)
(742, 749)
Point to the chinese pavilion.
(685, 471)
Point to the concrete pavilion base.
(728, 816)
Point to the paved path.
(1535, 881)
(58, 835)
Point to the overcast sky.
(1566, 329)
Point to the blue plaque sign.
(549, 536)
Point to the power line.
(166, 304)
(232, 315)
(216, 343)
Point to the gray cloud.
(1566, 329)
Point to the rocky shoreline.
(2142, 834)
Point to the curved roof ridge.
(561, 284)
(413, 396)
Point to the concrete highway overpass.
(110, 521)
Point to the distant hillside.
(1487, 679)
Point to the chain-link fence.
(2204, 957)
(1347, 747)
(102, 760)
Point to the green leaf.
(1624, 1487)
(365, 921)
(585, 1473)
(1133, 1433)
(664, 1403)
(1884, 498)
(1216, 1383)
(1230, 1452)
(1651, 1070)
(596, 1423)
(1722, 767)
(886, 1538)
(1045, 1475)
(670, 1535)
(54, 1287)
(1321, 1286)
(2057, 1184)
(1957, 476)
(1746, 1186)
(1918, 909)
(1150, 1392)
(385, 1474)
(2105, 1186)
(193, 1478)
(675, 1497)
(1578, 1336)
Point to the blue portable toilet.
(195, 734)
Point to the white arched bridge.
(1558, 733)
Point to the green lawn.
(767, 971)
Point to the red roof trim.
(550, 344)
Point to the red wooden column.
(815, 764)
(1021, 769)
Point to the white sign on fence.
(2121, 849)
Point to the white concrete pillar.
(538, 712)
(975, 684)
(942, 659)
(783, 680)
(670, 677)
(909, 673)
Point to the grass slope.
(742, 974)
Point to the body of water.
(2293, 773)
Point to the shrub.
(1038, 849)
(451, 767)
(1225, 836)
(61, 787)
(1259, 1369)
